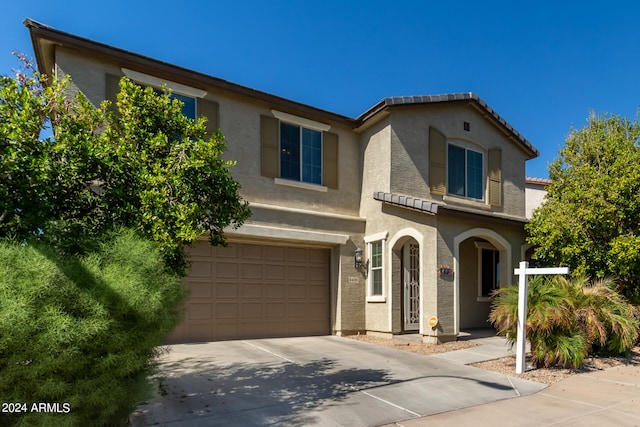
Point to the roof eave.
(42, 34)
(467, 97)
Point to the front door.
(411, 287)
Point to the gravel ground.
(506, 365)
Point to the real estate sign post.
(523, 284)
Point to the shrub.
(83, 330)
(568, 320)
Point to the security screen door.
(411, 287)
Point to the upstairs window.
(188, 104)
(193, 99)
(465, 172)
(300, 154)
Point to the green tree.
(590, 220)
(142, 165)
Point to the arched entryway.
(482, 262)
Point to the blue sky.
(544, 66)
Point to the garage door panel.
(297, 255)
(275, 272)
(252, 329)
(198, 311)
(317, 292)
(199, 289)
(226, 310)
(251, 252)
(317, 273)
(226, 270)
(198, 250)
(275, 311)
(225, 330)
(297, 273)
(251, 310)
(297, 292)
(297, 310)
(275, 254)
(198, 331)
(200, 268)
(275, 291)
(317, 256)
(226, 290)
(317, 310)
(251, 271)
(255, 291)
(220, 252)
(252, 291)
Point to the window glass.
(289, 151)
(311, 156)
(376, 268)
(300, 154)
(490, 271)
(475, 185)
(189, 105)
(456, 170)
(465, 172)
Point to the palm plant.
(567, 320)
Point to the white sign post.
(523, 289)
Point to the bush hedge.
(81, 333)
(568, 320)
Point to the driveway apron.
(324, 381)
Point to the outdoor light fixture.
(357, 258)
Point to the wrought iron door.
(411, 287)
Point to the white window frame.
(469, 147)
(370, 240)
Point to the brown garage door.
(255, 291)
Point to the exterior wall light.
(357, 259)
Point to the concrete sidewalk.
(604, 398)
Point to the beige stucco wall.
(240, 124)
(400, 226)
(409, 169)
(395, 159)
(534, 195)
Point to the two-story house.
(403, 219)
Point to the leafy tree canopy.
(590, 220)
(142, 165)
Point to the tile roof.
(406, 202)
(471, 97)
(537, 181)
(45, 37)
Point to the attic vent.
(467, 126)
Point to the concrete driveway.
(328, 381)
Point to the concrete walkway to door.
(328, 381)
